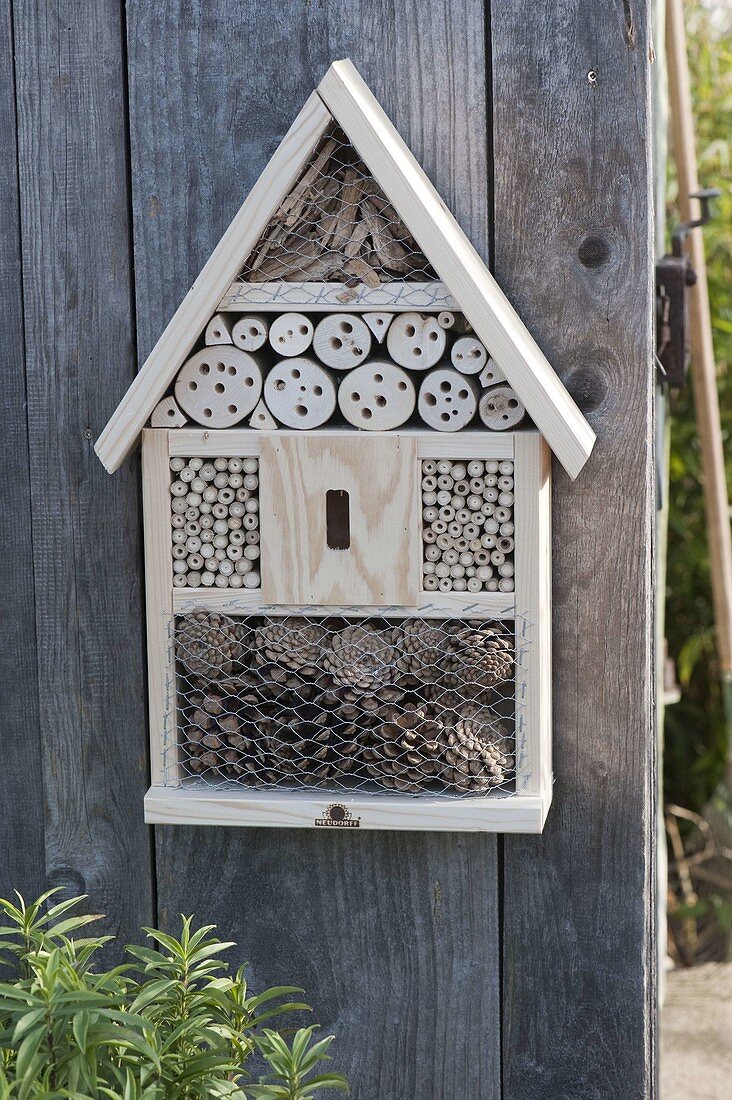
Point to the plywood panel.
(379, 476)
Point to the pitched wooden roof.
(343, 96)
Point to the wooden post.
(572, 219)
(703, 367)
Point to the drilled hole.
(204, 369)
(206, 412)
(347, 327)
(410, 330)
(317, 391)
(366, 414)
(232, 409)
(445, 387)
(193, 385)
(380, 400)
(219, 387)
(301, 410)
(378, 378)
(231, 370)
(295, 372)
(430, 399)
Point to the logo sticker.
(339, 817)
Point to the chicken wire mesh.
(413, 706)
(336, 225)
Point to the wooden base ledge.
(306, 810)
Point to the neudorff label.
(338, 817)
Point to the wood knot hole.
(594, 251)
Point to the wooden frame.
(171, 799)
(343, 96)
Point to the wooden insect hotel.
(345, 453)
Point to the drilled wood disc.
(250, 332)
(342, 341)
(377, 396)
(300, 393)
(416, 342)
(219, 386)
(291, 334)
(500, 409)
(447, 400)
(468, 355)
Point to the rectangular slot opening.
(337, 519)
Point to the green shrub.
(695, 743)
(172, 1024)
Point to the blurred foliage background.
(695, 743)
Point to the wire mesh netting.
(413, 705)
(336, 225)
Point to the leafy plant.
(172, 1024)
(695, 741)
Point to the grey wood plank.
(573, 250)
(86, 526)
(21, 782)
(393, 936)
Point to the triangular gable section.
(336, 225)
(438, 259)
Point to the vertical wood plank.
(573, 251)
(532, 517)
(393, 936)
(86, 526)
(21, 780)
(159, 605)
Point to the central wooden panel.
(380, 564)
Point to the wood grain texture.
(22, 858)
(573, 252)
(306, 810)
(381, 564)
(393, 936)
(78, 333)
(533, 596)
(159, 606)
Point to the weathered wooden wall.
(449, 966)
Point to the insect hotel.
(346, 435)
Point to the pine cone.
(300, 745)
(215, 735)
(361, 658)
(474, 757)
(207, 643)
(293, 643)
(423, 650)
(481, 656)
(406, 753)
